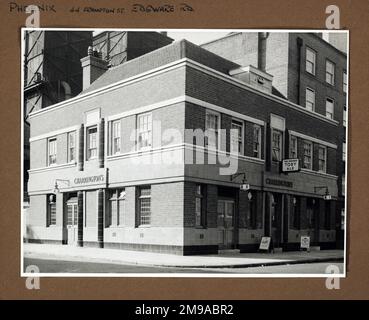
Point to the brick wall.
(167, 204)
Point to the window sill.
(143, 226)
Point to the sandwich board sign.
(264, 243)
(305, 243)
(290, 165)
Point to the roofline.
(174, 65)
(327, 43)
(311, 32)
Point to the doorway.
(226, 212)
(72, 221)
(276, 209)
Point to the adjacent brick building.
(111, 167)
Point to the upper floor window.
(329, 108)
(51, 151)
(277, 145)
(257, 141)
(310, 99)
(308, 155)
(344, 81)
(212, 127)
(144, 125)
(116, 137)
(310, 60)
(144, 206)
(322, 157)
(71, 146)
(91, 143)
(344, 119)
(343, 184)
(293, 147)
(237, 137)
(117, 207)
(344, 151)
(329, 72)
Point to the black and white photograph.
(184, 152)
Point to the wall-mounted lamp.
(56, 186)
(243, 186)
(294, 201)
(249, 196)
(326, 196)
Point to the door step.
(315, 248)
(279, 249)
(225, 251)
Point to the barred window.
(144, 206)
(200, 206)
(308, 155)
(52, 151)
(144, 125)
(322, 156)
(92, 143)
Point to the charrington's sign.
(91, 179)
(277, 182)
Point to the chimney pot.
(93, 66)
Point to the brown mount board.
(286, 14)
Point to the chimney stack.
(93, 66)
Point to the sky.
(195, 36)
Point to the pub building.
(93, 181)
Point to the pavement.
(223, 260)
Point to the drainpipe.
(101, 143)
(81, 141)
(299, 47)
(80, 219)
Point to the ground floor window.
(72, 211)
(144, 205)
(310, 203)
(296, 214)
(200, 206)
(327, 215)
(51, 210)
(252, 210)
(117, 207)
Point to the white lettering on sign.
(305, 242)
(92, 179)
(290, 165)
(264, 243)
